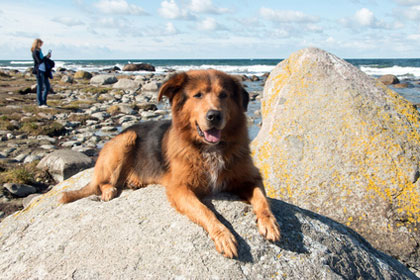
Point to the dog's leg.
(266, 222)
(186, 202)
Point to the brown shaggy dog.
(204, 149)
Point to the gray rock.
(100, 115)
(67, 79)
(151, 86)
(62, 164)
(48, 147)
(20, 190)
(2, 214)
(127, 109)
(21, 157)
(126, 84)
(103, 80)
(342, 144)
(69, 144)
(140, 236)
(31, 158)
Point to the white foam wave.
(22, 62)
(399, 71)
(232, 69)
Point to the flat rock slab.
(140, 236)
(62, 164)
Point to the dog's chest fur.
(214, 163)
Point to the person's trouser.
(42, 89)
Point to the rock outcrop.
(140, 236)
(62, 164)
(139, 67)
(340, 143)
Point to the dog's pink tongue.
(213, 135)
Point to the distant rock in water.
(340, 143)
(389, 79)
(140, 236)
(139, 67)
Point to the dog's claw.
(225, 243)
(269, 228)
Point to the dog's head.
(206, 104)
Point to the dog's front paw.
(225, 243)
(109, 194)
(268, 227)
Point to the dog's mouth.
(211, 136)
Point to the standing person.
(40, 70)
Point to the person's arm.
(38, 58)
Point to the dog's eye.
(198, 95)
(223, 95)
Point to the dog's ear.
(245, 98)
(172, 86)
(242, 94)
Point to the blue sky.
(82, 29)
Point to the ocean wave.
(21, 62)
(399, 71)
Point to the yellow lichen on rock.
(336, 141)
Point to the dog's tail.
(71, 196)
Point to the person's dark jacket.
(49, 64)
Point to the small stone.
(31, 158)
(20, 190)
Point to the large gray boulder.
(63, 164)
(127, 84)
(140, 236)
(103, 80)
(340, 143)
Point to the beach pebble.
(69, 144)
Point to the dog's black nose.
(214, 117)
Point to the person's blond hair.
(35, 44)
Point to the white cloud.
(208, 24)
(408, 2)
(119, 7)
(111, 22)
(364, 17)
(169, 9)
(287, 16)
(23, 34)
(412, 13)
(68, 21)
(170, 29)
(206, 6)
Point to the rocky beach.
(42, 147)
(85, 111)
